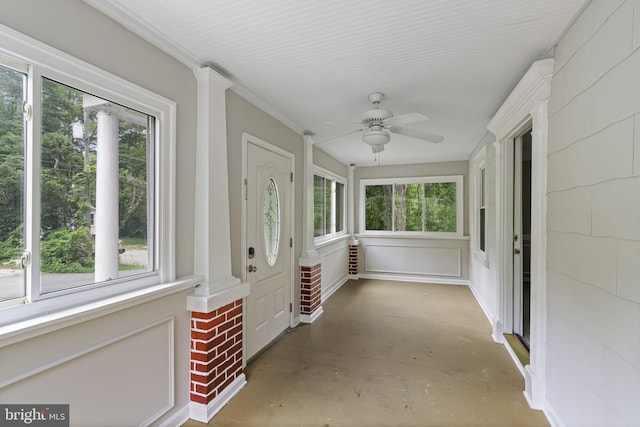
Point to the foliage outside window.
(72, 166)
(328, 205)
(420, 205)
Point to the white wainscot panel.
(386, 258)
(335, 266)
(128, 380)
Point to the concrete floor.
(385, 354)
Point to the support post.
(310, 262)
(217, 358)
(107, 201)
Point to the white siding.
(593, 345)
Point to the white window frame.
(458, 179)
(326, 174)
(41, 60)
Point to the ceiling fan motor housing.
(376, 116)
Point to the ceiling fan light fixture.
(376, 137)
(375, 149)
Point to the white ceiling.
(313, 63)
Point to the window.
(83, 202)
(328, 204)
(481, 210)
(429, 205)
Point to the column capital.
(211, 75)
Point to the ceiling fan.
(378, 124)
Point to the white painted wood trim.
(212, 242)
(225, 293)
(87, 350)
(487, 313)
(204, 413)
(308, 240)
(535, 85)
(526, 104)
(180, 417)
(310, 318)
(552, 416)
(351, 202)
(32, 327)
(310, 262)
(412, 278)
(246, 139)
(516, 361)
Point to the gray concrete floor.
(385, 354)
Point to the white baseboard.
(487, 313)
(177, 419)
(310, 318)
(552, 415)
(204, 413)
(516, 361)
(414, 278)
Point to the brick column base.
(216, 356)
(354, 258)
(310, 292)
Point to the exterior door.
(522, 237)
(268, 256)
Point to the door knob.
(516, 251)
(252, 268)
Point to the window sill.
(18, 323)
(321, 242)
(411, 236)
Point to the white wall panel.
(335, 266)
(413, 260)
(143, 381)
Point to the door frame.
(526, 106)
(247, 138)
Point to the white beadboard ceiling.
(313, 63)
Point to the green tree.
(378, 207)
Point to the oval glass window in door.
(271, 221)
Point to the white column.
(107, 201)
(212, 251)
(308, 245)
(351, 197)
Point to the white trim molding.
(310, 318)
(204, 413)
(525, 106)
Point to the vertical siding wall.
(593, 262)
(483, 271)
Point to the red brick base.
(216, 351)
(310, 288)
(354, 259)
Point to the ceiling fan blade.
(338, 137)
(406, 118)
(418, 134)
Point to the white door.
(268, 255)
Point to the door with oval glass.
(268, 249)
